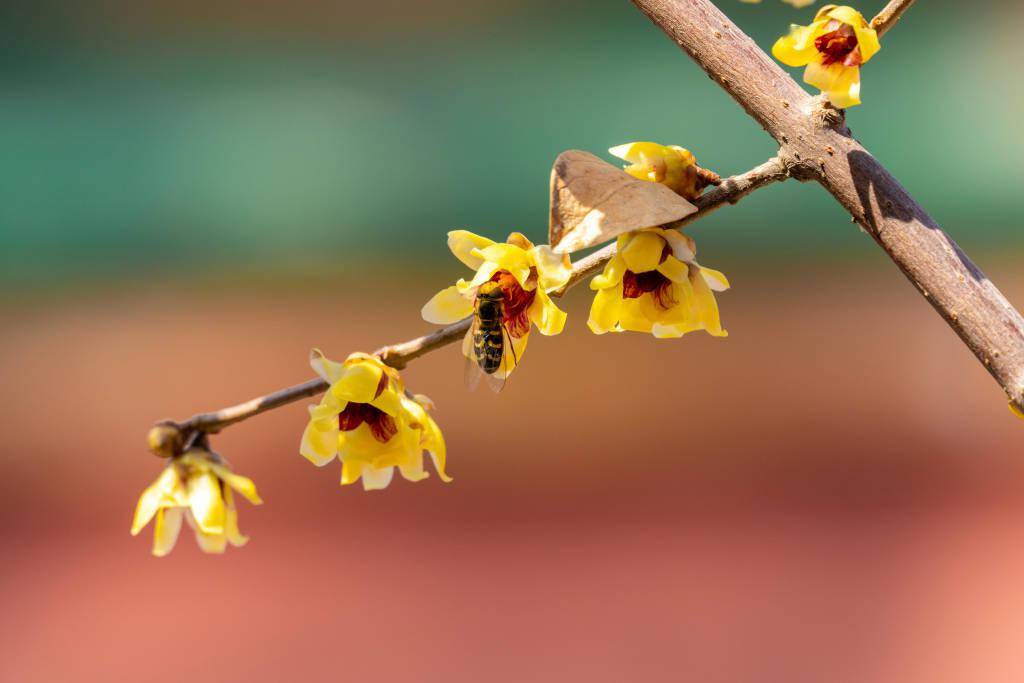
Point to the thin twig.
(823, 149)
(889, 15)
(730, 191)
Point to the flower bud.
(165, 440)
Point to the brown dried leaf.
(594, 202)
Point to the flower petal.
(553, 270)
(643, 252)
(463, 242)
(674, 269)
(508, 257)
(549, 319)
(447, 306)
(716, 280)
(612, 274)
(797, 48)
(329, 370)
(376, 479)
(231, 530)
(156, 496)
(206, 502)
(359, 382)
(166, 530)
(841, 84)
(683, 246)
(604, 311)
(243, 485)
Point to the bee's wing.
(471, 372)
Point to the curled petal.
(463, 242)
(508, 257)
(447, 306)
(706, 307)
(716, 280)
(674, 269)
(319, 446)
(231, 531)
(206, 502)
(553, 270)
(797, 48)
(359, 382)
(375, 479)
(520, 240)
(612, 274)
(166, 530)
(643, 252)
(243, 485)
(164, 492)
(604, 311)
(485, 273)
(841, 84)
(549, 319)
(329, 370)
(683, 246)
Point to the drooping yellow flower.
(368, 420)
(832, 48)
(523, 273)
(672, 166)
(654, 284)
(196, 487)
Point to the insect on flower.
(508, 294)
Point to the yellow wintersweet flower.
(654, 284)
(524, 275)
(833, 47)
(672, 166)
(368, 420)
(195, 486)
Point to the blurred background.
(194, 193)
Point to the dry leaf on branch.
(594, 202)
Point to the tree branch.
(816, 145)
(730, 191)
(889, 15)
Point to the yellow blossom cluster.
(652, 284)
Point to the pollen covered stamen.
(839, 45)
(381, 425)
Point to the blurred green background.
(148, 138)
(196, 192)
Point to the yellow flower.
(196, 486)
(525, 274)
(653, 284)
(672, 166)
(832, 48)
(368, 420)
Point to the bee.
(493, 353)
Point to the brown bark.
(816, 144)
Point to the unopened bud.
(164, 440)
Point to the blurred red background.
(831, 493)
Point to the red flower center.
(839, 45)
(635, 285)
(515, 303)
(381, 425)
